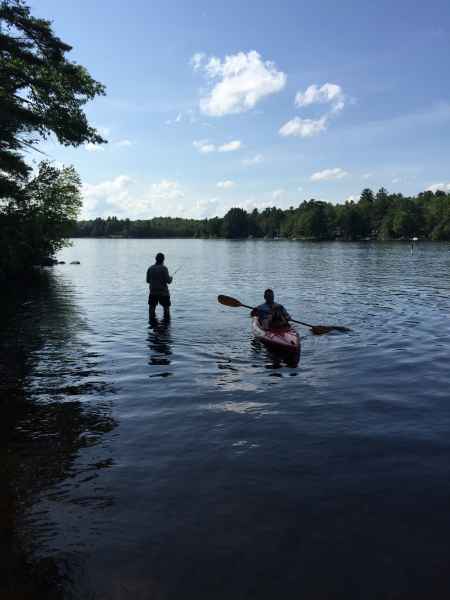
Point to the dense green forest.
(42, 95)
(381, 216)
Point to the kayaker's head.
(269, 296)
(159, 258)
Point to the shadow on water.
(159, 341)
(276, 359)
(44, 431)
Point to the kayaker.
(270, 313)
(158, 279)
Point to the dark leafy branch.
(42, 93)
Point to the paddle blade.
(321, 329)
(228, 301)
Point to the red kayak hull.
(285, 339)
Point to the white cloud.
(299, 189)
(227, 184)
(119, 197)
(329, 174)
(396, 180)
(242, 80)
(276, 194)
(303, 127)
(254, 160)
(204, 209)
(444, 187)
(205, 147)
(230, 146)
(329, 93)
(90, 147)
(367, 175)
(106, 195)
(123, 143)
(352, 198)
(166, 190)
(197, 60)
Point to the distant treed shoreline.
(379, 216)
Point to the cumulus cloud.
(444, 187)
(197, 60)
(329, 174)
(227, 184)
(304, 128)
(230, 146)
(204, 209)
(238, 82)
(205, 147)
(120, 197)
(254, 160)
(107, 194)
(367, 175)
(329, 93)
(166, 190)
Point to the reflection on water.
(159, 342)
(51, 437)
(276, 359)
(233, 473)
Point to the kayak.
(285, 339)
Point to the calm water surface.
(185, 461)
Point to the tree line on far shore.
(380, 216)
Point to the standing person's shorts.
(155, 299)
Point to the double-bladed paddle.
(316, 329)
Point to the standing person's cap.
(159, 258)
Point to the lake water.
(185, 461)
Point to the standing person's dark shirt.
(158, 277)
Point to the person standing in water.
(158, 279)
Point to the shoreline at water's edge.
(252, 239)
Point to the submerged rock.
(75, 262)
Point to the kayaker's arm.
(254, 312)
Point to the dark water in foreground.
(186, 462)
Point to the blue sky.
(211, 105)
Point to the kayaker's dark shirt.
(158, 277)
(264, 311)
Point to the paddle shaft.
(293, 320)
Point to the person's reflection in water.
(276, 359)
(159, 341)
